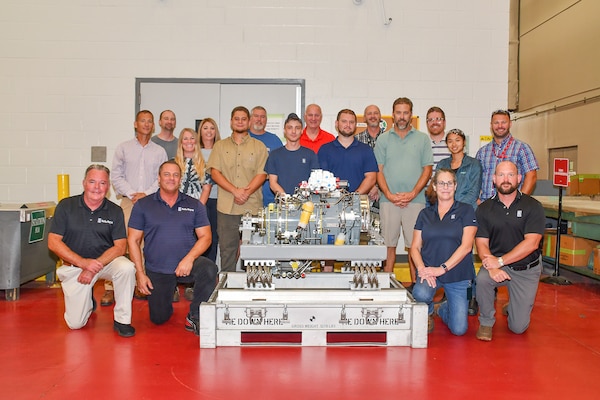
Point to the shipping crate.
(574, 251)
(584, 185)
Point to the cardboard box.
(597, 260)
(574, 251)
(584, 185)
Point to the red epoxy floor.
(558, 358)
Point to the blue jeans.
(454, 311)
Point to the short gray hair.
(98, 167)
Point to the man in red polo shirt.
(313, 136)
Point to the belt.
(532, 264)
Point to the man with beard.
(165, 138)
(347, 158)
(405, 163)
(504, 147)
(372, 117)
(176, 231)
(237, 165)
(511, 225)
(436, 126)
(258, 123)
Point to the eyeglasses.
(449, 184)
(438, 119)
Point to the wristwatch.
(500, 262)
(445, 267)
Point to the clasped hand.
(430, 275)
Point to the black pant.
(204, 278)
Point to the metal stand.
(555, 278)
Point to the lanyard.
(503, 154)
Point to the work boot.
(484, 333)
(108, 299)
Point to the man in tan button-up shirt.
(237, 165)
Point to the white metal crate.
(318, 310)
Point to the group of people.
(183, 197)
(483, 201)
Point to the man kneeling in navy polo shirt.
(176, 232)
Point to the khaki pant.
(78, 296)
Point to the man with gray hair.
(88, 235)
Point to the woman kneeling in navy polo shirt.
(442, 250)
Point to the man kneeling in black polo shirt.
(511, 225)
(88, 234)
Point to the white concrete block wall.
(68, 68)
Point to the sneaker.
(176, 295)
(108, 299)
(505, 309)
(189, 294)
(124, 330)
(192, 325)
(473, 306)
(484, 333)
(430, 323)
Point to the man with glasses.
(504, 147)
(405, 163)
(511, 225)
(436, 126)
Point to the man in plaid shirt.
(504, 147)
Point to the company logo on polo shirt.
(105, 221)
(185, 209)
(519, 213)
